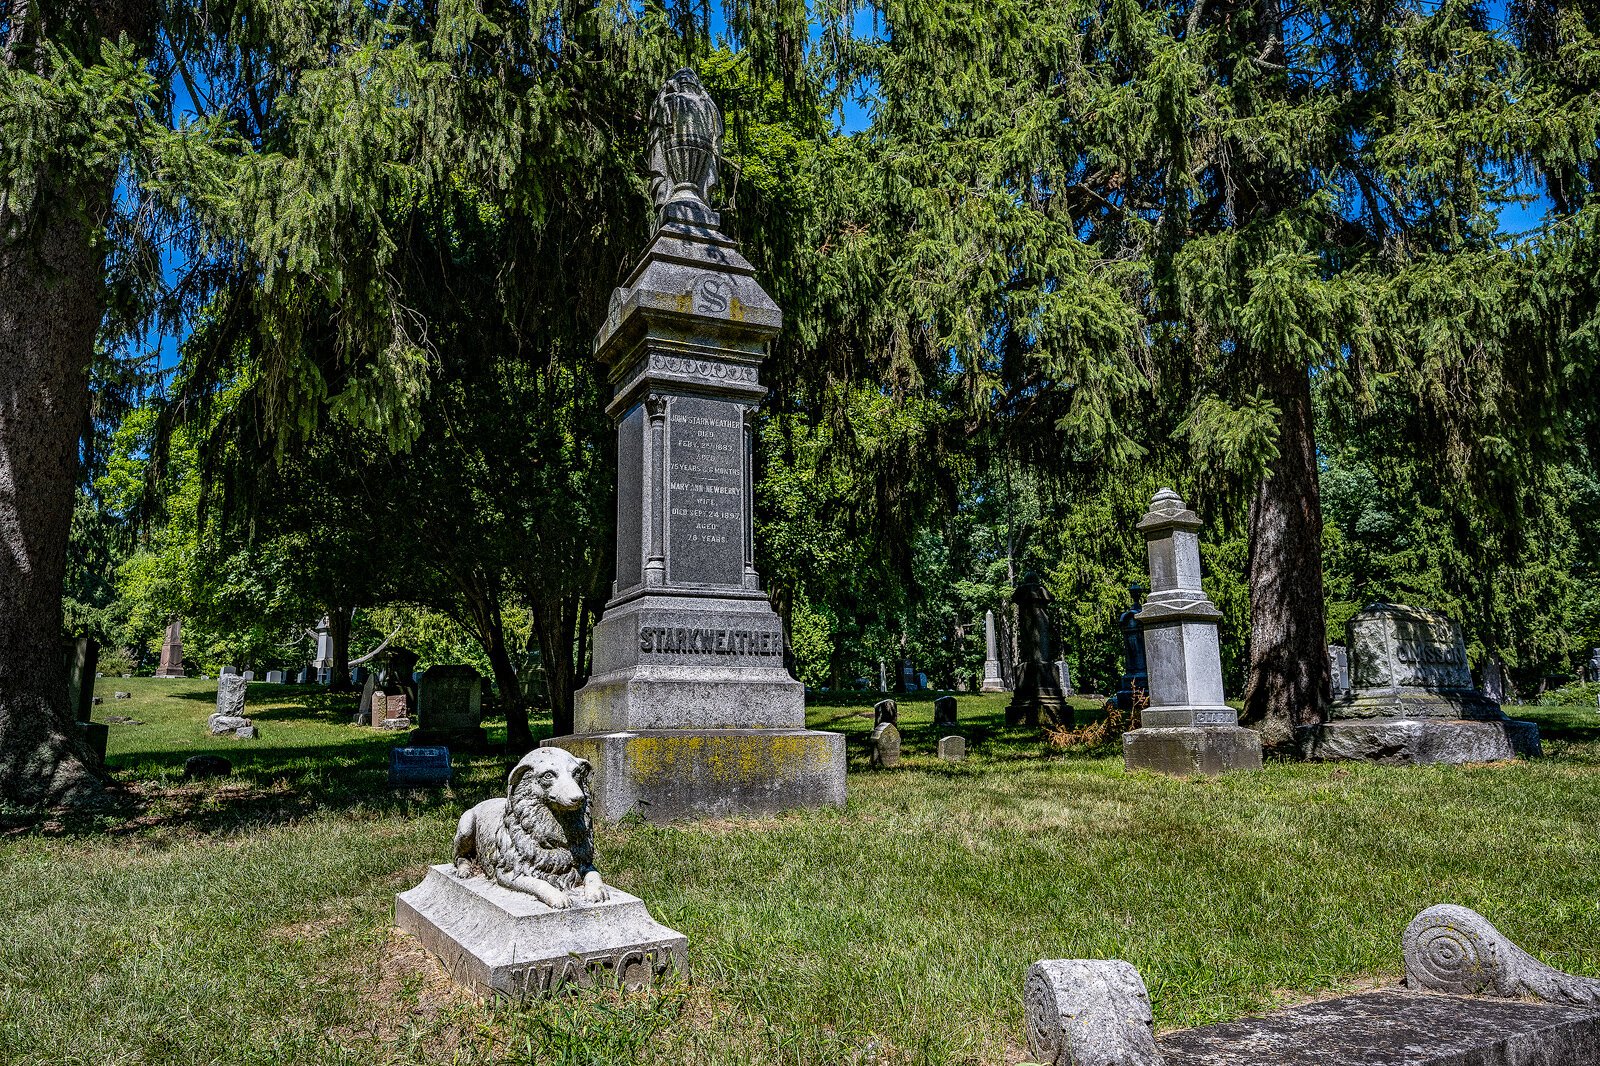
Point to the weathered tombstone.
(1494, 678)
(885, 711)
(228, 671)
(1412, 699)
(1064, 676)
(391, 711)
(249, 675)
(689, 710)
(952, 748)
(884, 752)
(1187, 726)
(1135, 681)
(944, 711)
(449, 707)
(82, 655)
(120, 695)
(908, 676)
(1038, 689)
(231, 692)
(1088, 1011)
(1594, 664)
(200, 767)
(172, 651)
(883, 676)
(274, 677)
(419, 767)
(1339, 668)
(399, 674)
(521, 911)
(992, 681)
(369, 689)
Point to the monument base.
(1185, 750)
(170, 671)
(1418, 740)
(992, 681)
(473, 739)
(500, 942)
(669, 774)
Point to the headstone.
(1135, 681)
(1088, 1011)
(884, 750)
(118, 695)
(885, 711)
(97, 700)
(246, 732)
(369, 690)
(82, 654)
(231, 692)
(944, 711)
(391, 711)
(1412, 699)
(274, 677)
(1494, 678)
(1594, 664)
(399, 673)
(522, 912)
(172, 651)
(883, 676)
(1187, 727)
(1064, 675)
(1339, 669)
(200, 767)
(992, 681)
(449, 707)
(228, 671)
(417, 767)
(1038, 689)
(952, 748)
(689, 710)
(908, 676)
(249, 675)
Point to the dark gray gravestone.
(449, 707)
(885, 750)
(885, 711)
(418, 767)
(944, 710)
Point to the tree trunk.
(1289, 680)
(50, 290)
(339, 619)
(557, 629)
(519, 735)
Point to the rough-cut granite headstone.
(992, 681)
(1187, 727)
(1412, 699)
(1037, 693)
(952, 749)
(884, 750)
(522, 911)
(944, 711)
(418, 767)
(1088, 1012)
(688, 710)
(449, 707)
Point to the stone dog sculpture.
(538, 839)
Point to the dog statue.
(538, 839)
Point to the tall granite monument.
(1038, 689)
(1134, 682)
(1412, 699)
(689, 710)
(172, 651)
(1187, 727)
(992, 679)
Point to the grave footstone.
(992, 681)
(884, 752)
(118, 695)
(449, 707)
(419, 766)
(172, 651)
(944, 711)
(689, 710)
(1037, 694)
(952, 748)
(1187, 727)
(199, 767)
(1412, 698)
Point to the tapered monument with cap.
(1187, 727)
(689, 710)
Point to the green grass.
(249, 920)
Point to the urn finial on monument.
(689, 710)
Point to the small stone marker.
(1339, 668)
(1088, 1011)
(274, 677)
(418, 767)
(952, 748)
(885, 711)
(944, 710)
(885, 750)
(249, 675)
(96, 701)
(246, 732)
(122, 695)
(198, 767)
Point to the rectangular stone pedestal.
(1192, 750)
(670, 774)
(1419, 740)
(498, 941)
(1397, 1029)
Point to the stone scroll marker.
(1088, 1011)
(1187, 728)
(1412, 699)
(689, 711)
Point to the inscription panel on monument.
(705, 492)
(631, 481)
(1395, 646)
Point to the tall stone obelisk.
(992, 681)
(688, 710)
(172, 651)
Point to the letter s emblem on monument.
(711, 294)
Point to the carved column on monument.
(1188, 727)
(172, 651)
(992, 681)
(688, 710)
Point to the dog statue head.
(553, 775)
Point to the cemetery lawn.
(249, 920)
